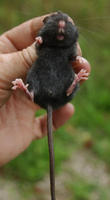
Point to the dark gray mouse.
(52, 73)
(51, 81)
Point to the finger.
(13, 40)
(79, 52)
(21, 36)
(15, 65)
(60, 116)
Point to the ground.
(83, 177)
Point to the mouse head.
(58, 31)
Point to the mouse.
(51, 82)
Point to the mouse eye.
(45, 19)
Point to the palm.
(17, 123)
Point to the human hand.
(18, 125)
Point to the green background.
(89, 128)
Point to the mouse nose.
(61, 24)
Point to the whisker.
(98, 33)
(94, 18)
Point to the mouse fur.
(52, 73)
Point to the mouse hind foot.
(82, 75)
(18, 83)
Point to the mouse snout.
(61, 26)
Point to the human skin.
(18, 125)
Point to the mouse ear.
(59, 12)
(45, 19)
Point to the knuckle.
(28, 56)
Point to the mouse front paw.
(39, 40)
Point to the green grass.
(84, 190)
(33, 164)
(92, 102)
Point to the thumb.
(15, 65)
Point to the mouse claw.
(83, 74)
(18, 83)
(39, 40)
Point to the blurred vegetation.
(83, 190)
(92, 102)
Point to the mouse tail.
(51, 151)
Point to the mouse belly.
(55, 101)
(52, 92)
(49, 85)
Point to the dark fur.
(52, 73)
